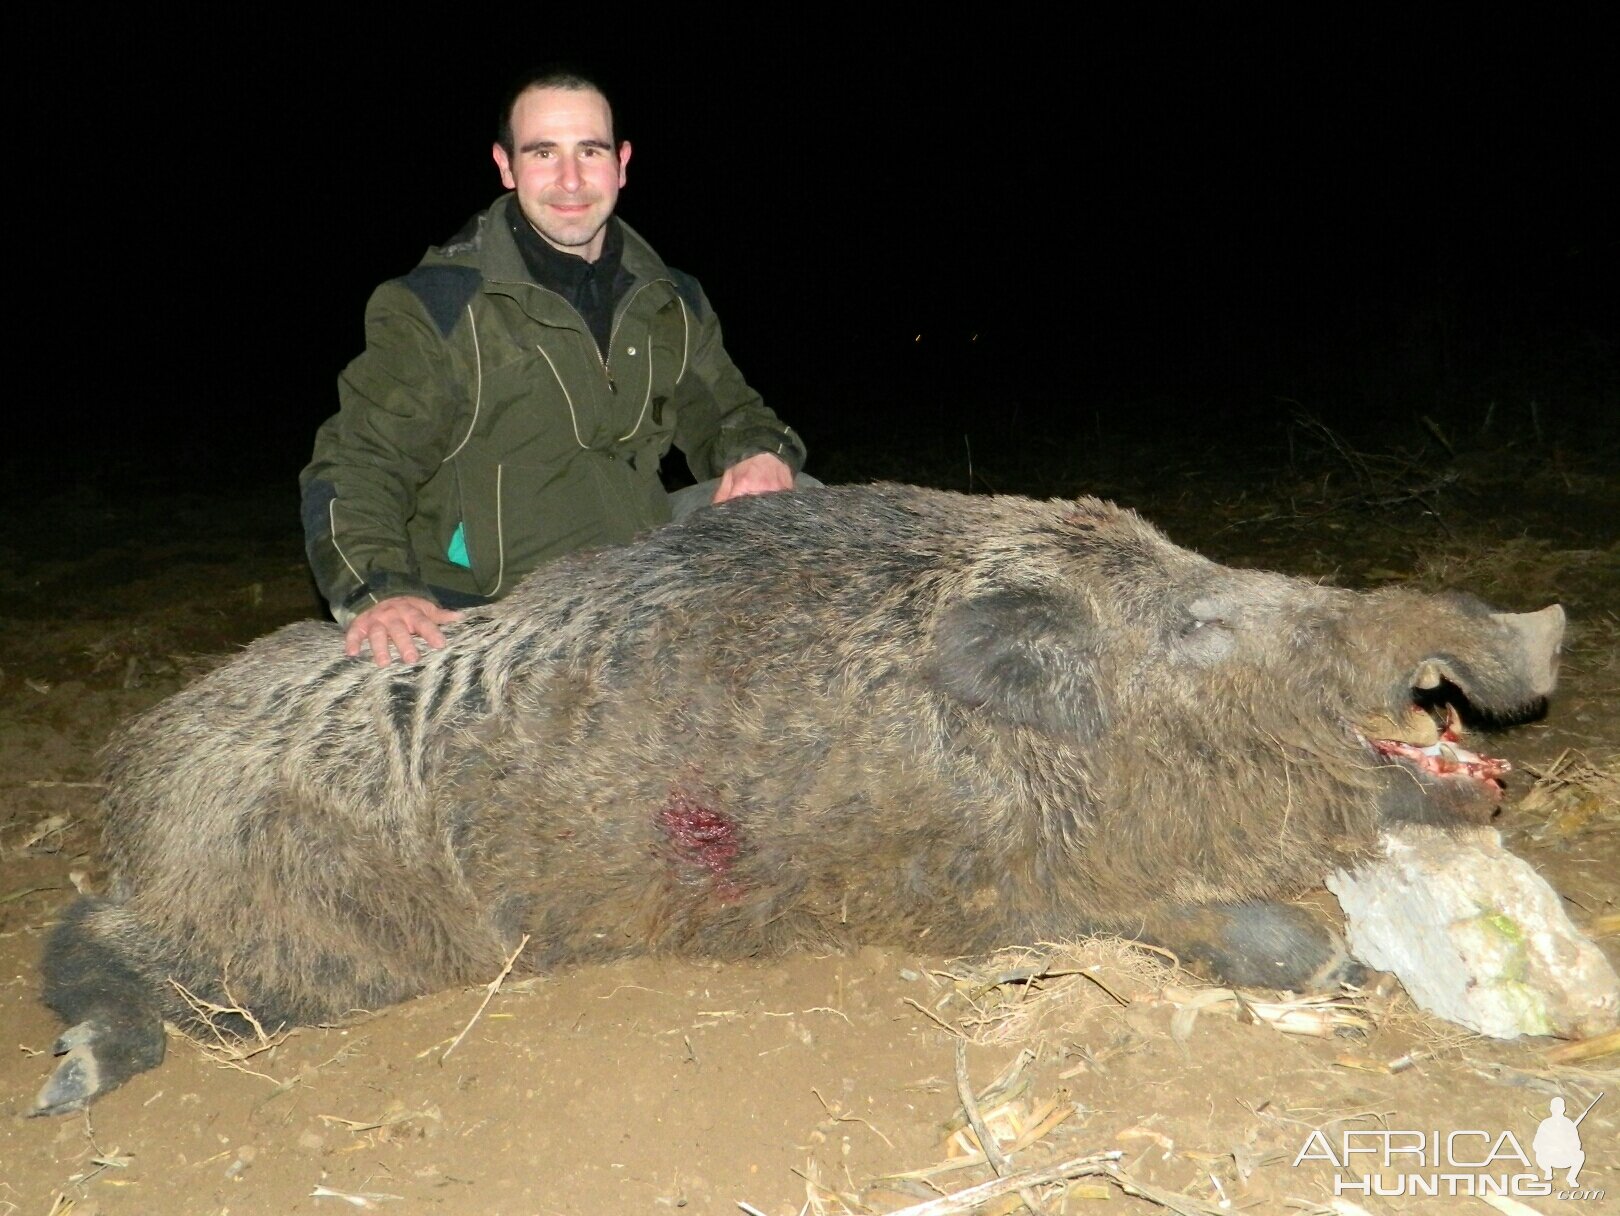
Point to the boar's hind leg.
(114, 1015)
(1259, 945)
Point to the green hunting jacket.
(481, 432)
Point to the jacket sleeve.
(396, 410)
(720, 420)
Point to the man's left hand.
(761, 474)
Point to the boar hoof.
(98, 1055)
(1266, 945)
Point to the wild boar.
(857, 714)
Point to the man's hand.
(761, 474)
(399, 619)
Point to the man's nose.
(568, 176)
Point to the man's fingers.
(404, 643)
(378, 636)
(394, 626)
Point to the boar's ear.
(1025, 656)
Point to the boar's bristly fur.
(858, 714)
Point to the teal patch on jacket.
(456, 551)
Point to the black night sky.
(1162, 220)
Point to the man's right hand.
(397, 621)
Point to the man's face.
(564, 167)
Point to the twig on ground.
(987, 1141)
(1582, 1050)
(361, 1199)
(838, 1117)
(490, 990)
(227, 1048)
(973, 1198)
(1175, 1201)
(934, 1017)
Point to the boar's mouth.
(1508, 679)
(1429, 742)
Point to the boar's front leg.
(1257, 945)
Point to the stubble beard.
(575, 235)
(572, 238)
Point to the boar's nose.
(1540, 636)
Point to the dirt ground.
(804, 1084)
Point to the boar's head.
(1221, 719)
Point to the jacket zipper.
(613, 330)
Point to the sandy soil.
(796, 1084)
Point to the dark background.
(1170, 225)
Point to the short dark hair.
(547, 76)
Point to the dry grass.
(1522, 569)
(1316, 1016)
(1598, 651)
(1574, 796)
(225, 1047)
(1026, 995)
(1053, 988)
(1030, 1144)
(148, 652)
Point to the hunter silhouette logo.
(1557, 1145)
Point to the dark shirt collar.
(593, 288)
(564, 273)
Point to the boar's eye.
(1203, 617)
(1204, 639)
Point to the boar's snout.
(1510, 679)
(1540, 640)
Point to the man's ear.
(1022, 655)
(624, 160)
(503, 162)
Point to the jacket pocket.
(517, 516)
(485, 489)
